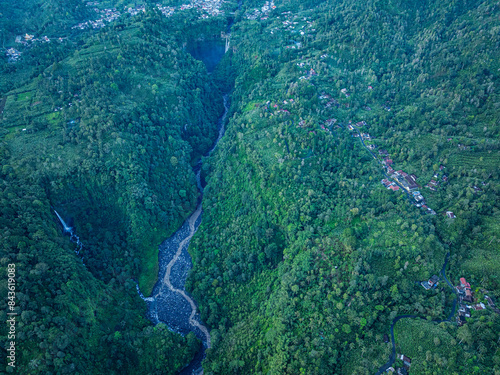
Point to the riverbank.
(169, 302)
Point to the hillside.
(351, 207)
(304, 257)
(106, 136)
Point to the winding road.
(392, 357)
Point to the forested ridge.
(105, 133)
(303, 257)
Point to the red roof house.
(464, 283)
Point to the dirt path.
(166, 279)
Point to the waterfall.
(65, 226)
(73, 237)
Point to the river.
(169, 302)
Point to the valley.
(254, 187)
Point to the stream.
(169, 302)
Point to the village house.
(344, 91)
(366, 136)
(489, 300)
(464, 310)
(433, 282)
(418, 198)
(405, 359)
(464, 291)
(330, 121)
(386, 182)
(479, 306)
(450, 214)
(13, 55)
(461, 320)
(412, 181)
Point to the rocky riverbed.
(170, 303)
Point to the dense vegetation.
(106, 133)
(303, 258)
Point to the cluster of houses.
(404, 180)
(165, 10)
(331, 102)
(408, 181)
(291, 24)
(107, 15)
(261, 13)
(207, 7)
(359, 124)
(434, 183)
(136, 10)
(491, 304)
(405, 370)
(275, 107)
(308, 74)
(13, 55)
(466, 302)
(28, 39)
(328, 124)
(390, 184)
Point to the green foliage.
(314, 257)
(303, 258)
(106, 134)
